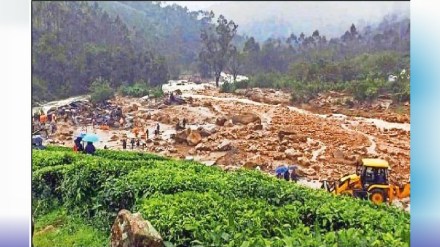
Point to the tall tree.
(217, 45)
(235, 62)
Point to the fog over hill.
(279, 19)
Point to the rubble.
(245, 118)
(239, 129)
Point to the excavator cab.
(373, 174)
(374, 178)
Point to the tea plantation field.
(190, 204)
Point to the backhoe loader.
(371, 181)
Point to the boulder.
(164, 118)
(338, 154)
(180, 137)
(286, 132)
(250, 165)
(220, 121)
(304, 161)
(292, 153)
(194, 138)
(202, 147)
(232, 158)
(257, 127)
(132, 230)
(225, 145)
(246, 118)
(255, 161)
(204, 132)
(229, 123)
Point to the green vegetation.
(195, 205)
(132, 43)
(306, 80)
(57, 228)
(359, 62)
(75, 43)
(217, 46)
(100, 91)
(141, 89)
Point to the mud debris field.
(258, 129)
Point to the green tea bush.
(192, 204)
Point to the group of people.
(45, 123)
(137, 139)
(288, 173)
(78, 146)
(181, 126)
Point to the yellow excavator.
(370, 181)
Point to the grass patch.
(58, 228)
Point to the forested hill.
(122, 42)
(172, 31)
(74, 43)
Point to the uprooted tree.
(217, 46)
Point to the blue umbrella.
(90, 138)
(281, 169)
(37, 139)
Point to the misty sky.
(332, 18)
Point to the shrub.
(227, 87)
(100, 91)
(192, 204)
(138, 89)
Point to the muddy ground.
(260, 128)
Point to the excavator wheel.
(377, 196)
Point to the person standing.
(132, 143)
(293, 173)
(124, 143)
(90, 149)
(157, 129)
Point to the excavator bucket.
(391, 194)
